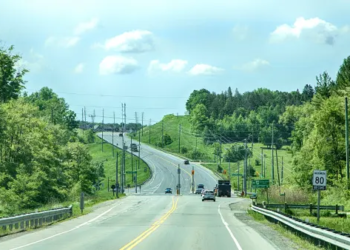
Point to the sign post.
(319, 182)
(82, 202)
(193, 179)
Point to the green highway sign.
(237, 174)
(130, 172)
(260, 183)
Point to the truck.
(133, 147)
(224, 188)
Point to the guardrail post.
(336, 209)
(70, 210)
(310, 208)
(285, 207)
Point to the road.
(152, 220)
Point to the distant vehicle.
(121, 134)
(224, 188)
(133, 147)
(200, 186)
(199, 190)
(186, 162)
(168, 191)
(208, 195)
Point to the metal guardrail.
(34, 220)
(311, 207)
(321, 236)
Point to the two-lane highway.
(153, 220)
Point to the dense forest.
(310, 122)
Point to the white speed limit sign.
(319, 180)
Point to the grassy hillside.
(170, 124)
(109, 163)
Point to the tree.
(324, 85)
(11, 77)
(343, 76)
(198, 118)
(308, 92)
(197, 97)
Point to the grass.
(170, 124)
(300, 242)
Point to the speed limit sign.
(319, 179)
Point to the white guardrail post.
(322, 235)
(34, 220)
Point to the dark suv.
(168, 191)
(186, 162)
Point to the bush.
(257, 162)
(196, 155)
(167, 139)
(219, 169)
(184, 150)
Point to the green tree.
(11, 77)
(343, 76)
(198, 118)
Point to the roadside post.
(82, 202)
(192, 179)
(319, 182)
(179, 184)
(113, 188)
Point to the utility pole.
(142, 124)
(103, 117)
(272, 163)
(113, 133)
(179, 136)
(245, 168)
(179, 184)
(85, 116)
(162, 133)
(220, 149)
(138, 166)
(262, 161)
(116, 176)
(282, 172)
(82, 118)
(238, 175)
(149, 131)
(229, 170)
(278, 171)
(193, 179)
(132, 160)
(123, 147)
(347, 141)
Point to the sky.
(151, 54)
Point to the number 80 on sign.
(319, 180)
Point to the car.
(200, 186)
(120, 134)
(168, 191)
(199, 190)
(208, 195)
(186, 162)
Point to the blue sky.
(152, 54)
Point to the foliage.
(184, 150)
(11, 75)
(167, 139)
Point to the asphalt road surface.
(152, 220)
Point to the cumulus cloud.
(240, 32)
(137, 41)
(79, 68)
(86, 26)
(117, 65)
(175, 65)
(33, 62)
(204, 69)
(254, 65)
(314, 29)
(65, 42)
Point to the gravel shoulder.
(239, 209)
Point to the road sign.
(234, 174)
(260, 183)
(131, 172)
(319, 180)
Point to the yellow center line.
(154, 226)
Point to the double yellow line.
(154, 226)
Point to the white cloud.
(85, 26)
(117, 65)
(65, 42)
(79, 68)
(33, 62)
(205, 69)
(240, 32)
(134, 41)
(314, 29)
(175, 65)
(254, 65)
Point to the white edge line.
(64, 232)
(229, 231)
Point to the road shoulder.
(239, 210)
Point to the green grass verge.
(300, 242)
